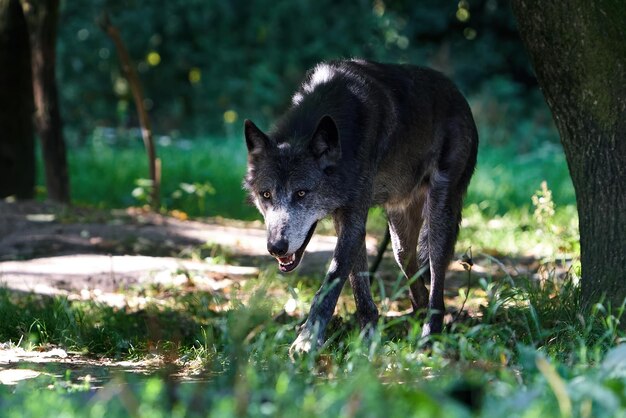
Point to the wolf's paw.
(433, 326)
(305, 343)
(426, 330)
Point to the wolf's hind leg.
(405, 224)
(443, 215)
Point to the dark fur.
(405, 139)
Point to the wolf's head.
(290, 181)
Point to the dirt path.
(55, 250)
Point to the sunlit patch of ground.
(134, 259)
(17, 364)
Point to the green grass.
(519, 233)
(211, 170)
(531, 352)
(505, 178)
(528, 349)
(105, 176)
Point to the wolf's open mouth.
(288, 263)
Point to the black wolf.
(359, 134)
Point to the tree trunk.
(578, 51)
(42, 17)
(17, 145)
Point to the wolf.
(358, 134)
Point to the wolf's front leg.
(351, 239)
(366, 311)
(312, 331)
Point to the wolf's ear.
(256, 140)
(325, 142)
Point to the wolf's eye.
(300, 193)
(266, 195)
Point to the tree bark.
(42, 17)
(17, 144)
(578, 51)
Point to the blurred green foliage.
(110, 176)
(205, 65)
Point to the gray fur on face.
(283, 170)
(290, 222)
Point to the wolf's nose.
(278, 248)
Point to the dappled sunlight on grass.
(229, 333)
(519, 234)
(514, 327)
(239, 358)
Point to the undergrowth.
(531, 351)
(527, 346)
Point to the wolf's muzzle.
(278, 248)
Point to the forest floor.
(99, 255)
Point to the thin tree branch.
(144, 120)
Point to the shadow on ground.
(109, 257)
